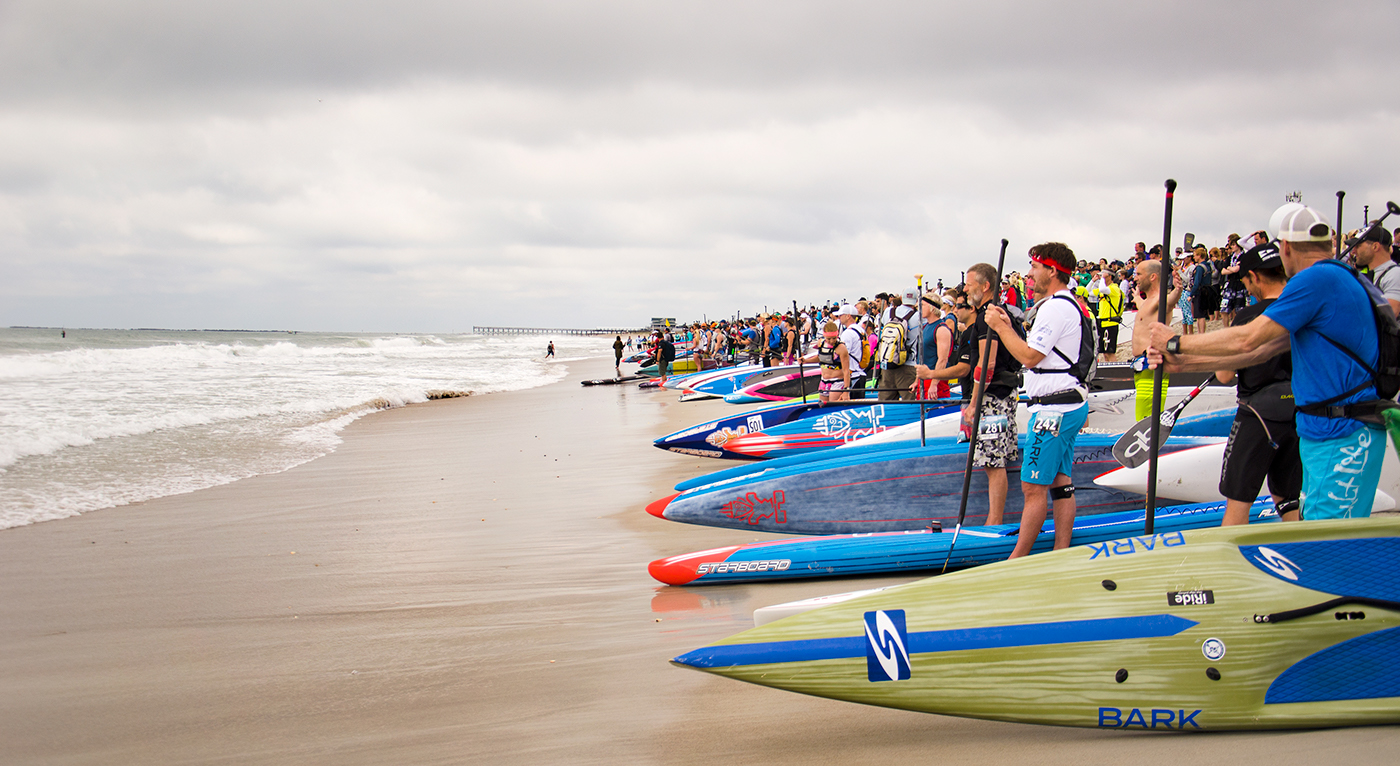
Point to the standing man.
(617, 353)
(1110, 298)
(897, 378)
(1263, 439)
(939, 336)
(1372, 250)
(961, 366)
(1200, 289)
(1148, 291)
(1058, 398)
(996, 443)
(665, 355)
(1322, 311)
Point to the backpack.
(1085, 366)
(1385, 376)
(863, 360)
(893, 350)
(775, 337)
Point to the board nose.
(657, 508)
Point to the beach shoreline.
(459, 581)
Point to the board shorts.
(1340, 475)
(935, 389)
(1250, 459)
(996, 443)
(827, 384)
(1234, 299)
(1142, 384)
(1108, 343)
(1184, 303)
(1050, 447)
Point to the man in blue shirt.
(1341, 456)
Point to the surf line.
(930, 641)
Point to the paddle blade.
(1134, 447)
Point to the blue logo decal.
(886, 646)
(1168, 718)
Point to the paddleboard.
(739, 377)
(1109, 412)
(1270, 626)
(832, 429)
(779, 387)
(914, 551)
(1194, 475)
(709, 439)
(884, 490)
(612, 381)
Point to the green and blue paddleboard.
(1258, 627)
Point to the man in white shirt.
(1053, 356)
(854, 338)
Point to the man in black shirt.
(1263, 440)
(995, 442)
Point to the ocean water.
(102, 418)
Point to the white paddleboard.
(1193, 476)
(1109, 412)
(764, 615)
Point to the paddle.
(1340, 194)
(1133, 447)
(796, 335)
(919, 291)
(1157, 373)
(979, 388)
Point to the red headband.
(1043, 261)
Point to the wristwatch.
(1174, 345)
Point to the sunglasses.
(964, 306)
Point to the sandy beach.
(461, 581)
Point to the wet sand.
(462, 581)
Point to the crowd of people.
(1311, 430)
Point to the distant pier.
(555, 331)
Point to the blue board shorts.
(1050, 450)
(1340, 475)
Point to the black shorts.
(1249, 459)
(1200, 305)
(1108, 339)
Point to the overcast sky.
(400, 166)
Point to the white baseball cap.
(1299, 223)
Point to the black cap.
(1265, 256)
(1373, 234)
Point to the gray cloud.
(372, 166)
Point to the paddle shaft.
(979, 388)
(1340, 195)
(919, 293)
(1162, 315)
(797, 341)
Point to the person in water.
(550, 351)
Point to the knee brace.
(1286, 506)
(1062, 493)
